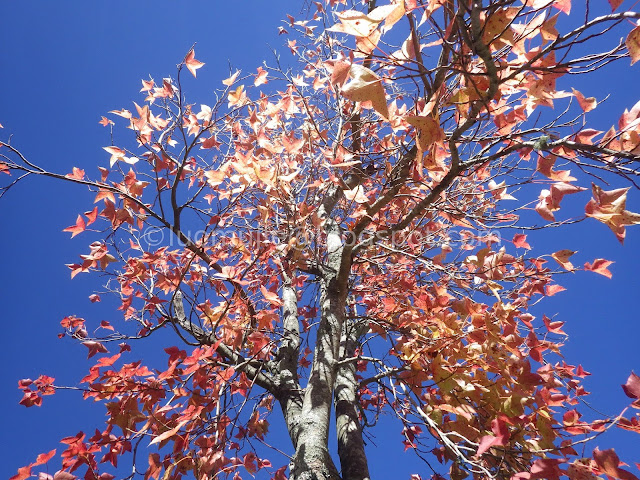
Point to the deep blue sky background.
(65, 64)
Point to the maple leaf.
(520, 241)
(608, 463)
(500, 436)
(232, 79)
(545, 167)
(77, 174)
(94, 348)
(78, 228)
(92, 215)
(429, 128)
(608, 207)
(105, 122)
(633, 44)
(366, 86)
(549, 200)
(191, 62)
(356, 195)
(632, 387)
(271, 297)
(116, 154)
(600, 266)
(562, 257)
(169, 433)
(261, 77)
(586, 104)
(23, 473)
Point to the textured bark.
(312, 459)
(353, 459)
(288, 390)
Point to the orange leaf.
(191, 62)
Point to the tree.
(342, 246)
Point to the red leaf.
(520, 241)
(551, 290)
(23, 473)
(553, 327)
(94, 298)
(106, 325)
(632, 387)
(45, 457)
(599, 266)
(92, 215)
(615, 4)
(79, 227)
(108, 361)
(191, 62)
(608, 462)
(94, 348)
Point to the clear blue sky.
(65, 64)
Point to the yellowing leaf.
(562, 257)
(366, 86)
(633, 44)
(429, 130)
(237, 96)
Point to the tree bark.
(312, 459)
(353, 459)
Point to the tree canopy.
(345, 233)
